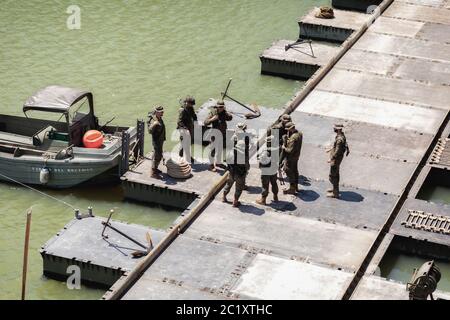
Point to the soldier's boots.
(333, 193)
(154, 174)
(236, 202)
(224, 198)
(275, 197)
(261, 201)
(291, 190)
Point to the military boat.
(51, 152)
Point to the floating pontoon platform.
(102, 260)
(138, 184)
(300, 61)
(337, 29)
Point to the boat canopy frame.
(57, 99)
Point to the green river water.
(132, 55)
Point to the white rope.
(38, 191)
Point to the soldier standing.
(280, 126)
(185, 124)
(237, 166)
(157, 129)
(337, 152)
(240, 133)
(291, 153)
(268, 163)
(218, 118)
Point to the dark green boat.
(51, 152)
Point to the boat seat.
(39, 137)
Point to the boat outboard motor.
(44, 175)
(424, 281)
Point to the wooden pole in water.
(25, 253)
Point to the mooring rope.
(40, 192)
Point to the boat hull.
(85, 166)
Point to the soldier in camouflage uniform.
(217, 118)
(269, 171)
(337, 152)
(157, 129)
(186, 119)
(240, 133)
(291, 153)
(280, 127)
(237, 166)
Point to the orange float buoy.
(93, 139)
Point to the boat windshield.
(79, 110)
(44, 115)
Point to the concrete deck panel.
(378, 87)
(357, 171)
(393, 144)
(275, 278)
(407, 11)
(412, 29)
(398, 27)
(282, 234)
(377, 63)
(298, 62)
(429, 207)
(406, 47)
(377, 112)
(431, 3)
(193, 264)
(434, 72)
(156, 289)
(435, 32)
(357, 208)
(376, 288)
(429, 71)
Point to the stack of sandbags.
(178, 169)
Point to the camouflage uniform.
(340, 147)
(241, 135)
(237, 172)
(157, 129)
(291, 155)
(219, 124)
(268, 179)
(279, 126)
(186, 119)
